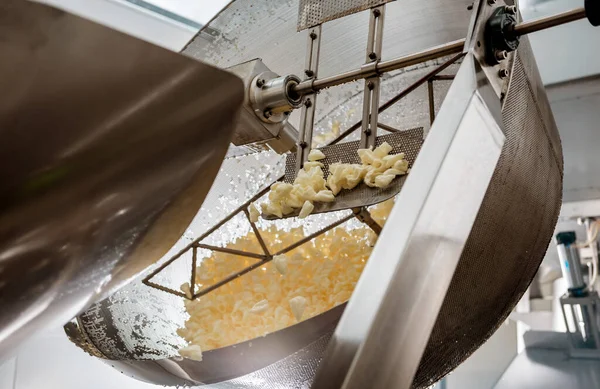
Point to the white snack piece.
(383, 180)
(310, 165)
(280, 262)
(325, 196)
(192, 351)
(260, 307)
(298, 305)
(253, 213)
(307, 208)
(377, 170)
(316, 155)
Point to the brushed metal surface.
(109, 145)
(383, 332)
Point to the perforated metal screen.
(314, 12)
(512, 230)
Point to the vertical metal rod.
(194, 265)
(431, 101)
(307, 114)
(373, 83)
(257, 234)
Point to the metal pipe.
(230, 251)
(382, 67)
(549, 21)
(386, 127)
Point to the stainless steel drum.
(135, 328)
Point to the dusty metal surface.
(109, 146)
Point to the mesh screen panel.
(512, 230)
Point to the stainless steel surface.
(582, 323)
(570, 265)
(545, 364)
(408, 142)
(517, 197)
(266, 108)
(382, 67)
(549, 21)
(272, 98)
(307, 114)
(109, 147)
(225, 363)
(314, 12)
(403, 286)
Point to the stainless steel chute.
(509, 235)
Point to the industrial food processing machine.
(138, 141)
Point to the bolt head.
(470, 7)
(511, 9)
(372, 56)
(260, 82)
(303, 144)
(376, 12)
(313, 35)
(308, 103)
(503, 73)
(309, 73)
(370, 85)
(501, 55)
(267, 114)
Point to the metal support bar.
(549, 21)
(257, 233)
(386, 127)
(443, 77)
(230, 251)
(402, 94)
(307, 115)
(382, 67)
(431, 101)
(194, 266)
(314, 235)
(364, 216)
(373, 83)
